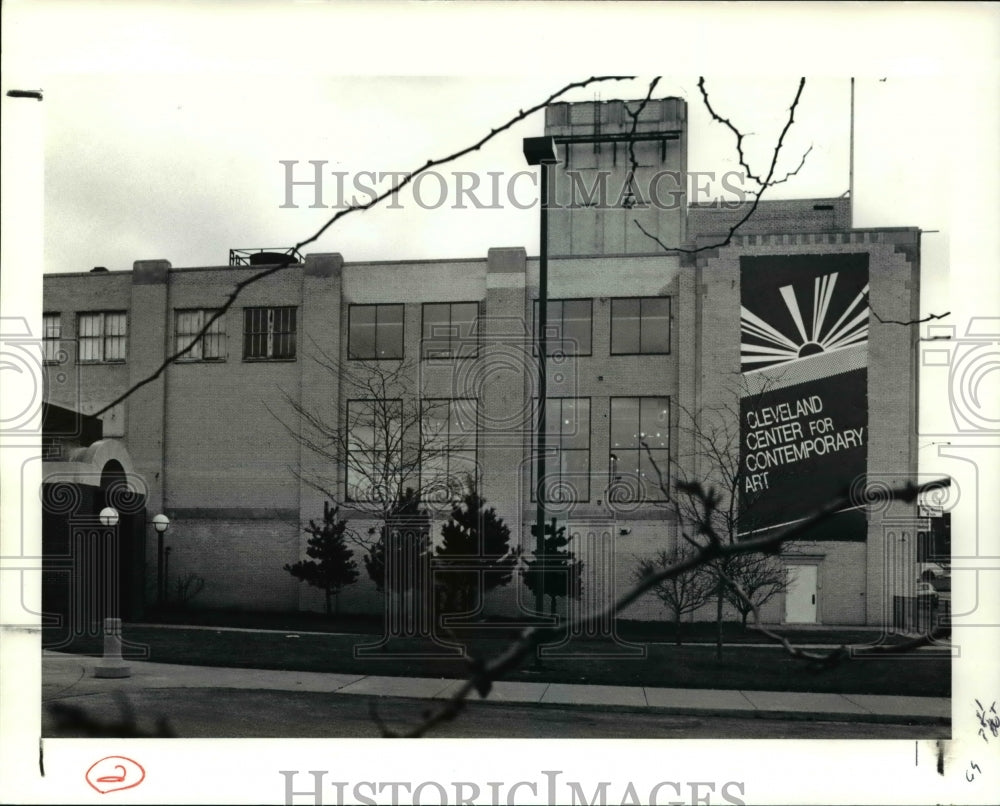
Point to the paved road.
(231, 713)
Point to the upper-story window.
(448, 330)
(640, 326)
(211, 346)
(375, 332)
(268, 333)
(640, 447)
(101, 337)
(567, 449)
(448, 465)
(568, 326)
(374, 458)
(51, 337)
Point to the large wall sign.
(804, 404)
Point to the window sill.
(560, 354)
(444, 358)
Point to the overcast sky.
(185, 167)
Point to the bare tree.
(683, 593)
(761, 577)
(712, 455)
(382, 440)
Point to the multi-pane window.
(567, 450)
(101, 336)
(268, 333)
(568, 326)
(448, 448)
(51, 337)
(211, 347)
(448, 330)
(375, 332)
(640, 443)
(640, 325)
(374, 449)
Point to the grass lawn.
(643, 631)
(664, 665)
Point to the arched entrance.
(126, 498)
(90, 569)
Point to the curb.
(669, 710)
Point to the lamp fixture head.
(540, 150)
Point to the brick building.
(646, 342)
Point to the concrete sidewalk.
(68, 676)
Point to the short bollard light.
(112, 664)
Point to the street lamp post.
(541, 151)
(161, 523)
(108, 517)
(111, 664)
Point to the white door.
(800, 598)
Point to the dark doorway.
(131, 542)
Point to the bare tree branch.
(930, 317)
(739, 144)
(825, 659)
(736, 132)
(790, 174)
(765, 183)
(373, 202)
(633, 162)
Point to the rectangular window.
(448, 330)
(568, 326)
(640, 326)
(268, 333)
(51, 337)
(374, 449)
(101, 337)
(634, 421)
(567, 451)
(375, 332)
(211, 346)
(448, 445)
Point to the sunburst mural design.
(763, 345)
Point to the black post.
(541, 151)
(166, 571)
(543, 305)
(159, 567)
